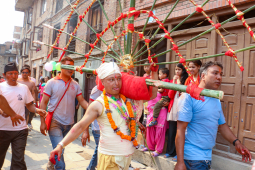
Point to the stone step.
(161, 163)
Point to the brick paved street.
(39, 147)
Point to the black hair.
(184, 74)
(63, 60)
(164, 71)
(197, 63)
(208, 64)
(77, 80)
(43, 80)
(25, 67)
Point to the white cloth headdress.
(107, 69)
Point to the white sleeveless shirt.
(110, 143)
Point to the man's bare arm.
(93, 111)
(44, 103)
(31, 107)
(82, 102)
(230, 137)
(179, 142)
(33, 91)
(4, 105)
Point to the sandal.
(166, 155)
(144, 149)
(153, 123)
(155, 154)
(175, 158)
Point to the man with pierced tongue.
(117, 117)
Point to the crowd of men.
(115, 103)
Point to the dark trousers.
(29, 116)
(18, 141)
(75, 116)
(158, 106)
(171, 138)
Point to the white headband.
(107, 69)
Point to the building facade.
(239, 87)
(55, 13)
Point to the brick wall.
(183, 8)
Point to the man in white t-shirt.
(18, 96)
(95, 93)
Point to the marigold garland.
(113, 125)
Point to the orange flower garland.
(113, 125)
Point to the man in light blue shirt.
(202, 121)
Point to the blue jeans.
(93, 161)
(57, 132)
(197, 164)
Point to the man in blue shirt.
(202, 120)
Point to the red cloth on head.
(133, 87)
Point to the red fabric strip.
(131, 27)
(199, 9)
(46, 94)
(194, 91)
(78, 94)
(182, 60)
(217, 26)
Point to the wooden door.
(247, 115)
(184, 50)
(231, 85)
(200, 47)
(90, 83)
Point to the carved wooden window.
(59, 5)
(71, 26)
(55, 34)
(37, 36)
(96, 23)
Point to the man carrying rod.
(59, 94)
(117, 117)
(202, 121)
